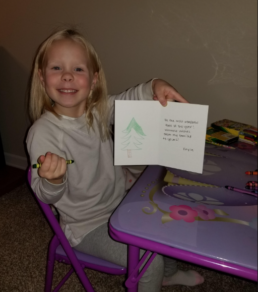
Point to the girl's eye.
(56, 68)
(78, 69)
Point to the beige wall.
(205, 48)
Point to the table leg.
(133, 259)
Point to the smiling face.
(66, 77)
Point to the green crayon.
(38, 165)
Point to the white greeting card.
(148, 133)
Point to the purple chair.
(60, 250)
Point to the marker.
(240, 191)
(251, 172)
(248, 133)
(246, 141)
(246, 137)
(221, 145)
(38, 165)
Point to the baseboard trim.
(16, 161)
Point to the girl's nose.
(67, 76)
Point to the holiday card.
(147, 133)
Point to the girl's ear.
(41, 77)
(94, 80)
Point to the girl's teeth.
(67, 90)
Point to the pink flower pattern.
(183, 212)
(205, 213)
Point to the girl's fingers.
(174, 96)
(46, 166)
(178, 97)
(41, 159)
(57, 167)
(160, 98)
(53, 163)
(164, 92)
(60, 168)
(63, 166)
(53, 166)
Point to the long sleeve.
(139, 92)
(42, 139)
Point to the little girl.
(72, 116)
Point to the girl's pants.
(98, 243)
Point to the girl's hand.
(53, 168)
(163, 92)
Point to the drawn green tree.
(133, 137)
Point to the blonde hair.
(97, 101)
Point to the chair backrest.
(63, 251)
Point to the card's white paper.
(147, 133)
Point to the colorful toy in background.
(246, 133)
(220, 137)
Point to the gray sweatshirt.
(93, 186)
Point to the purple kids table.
(211, 227)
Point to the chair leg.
(76, 265)
(83, 278)
(63, 280)
(49, 275)
(50, 263)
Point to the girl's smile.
(66, 77)
(67, 90)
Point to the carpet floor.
(24, 238)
